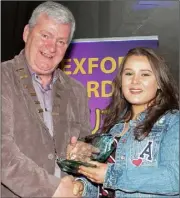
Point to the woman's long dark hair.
(166, 97)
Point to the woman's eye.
(128, 73)
(146, 74)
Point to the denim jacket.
(149, 168)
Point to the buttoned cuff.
(90, 190)
(84, 183)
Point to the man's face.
(46, 44)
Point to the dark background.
(99, 19)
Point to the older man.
(42, 108)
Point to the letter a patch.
(147, 152)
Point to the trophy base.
(72, 166)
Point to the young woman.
(144, 115)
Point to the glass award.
(102, 141)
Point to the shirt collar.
(36, 78)
(140, 117)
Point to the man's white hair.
(55, 11)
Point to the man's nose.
(52, 46)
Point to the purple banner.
(94, 62)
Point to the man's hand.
(66, 188)
(97, 174)
(80, 151)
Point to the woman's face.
(139, 84)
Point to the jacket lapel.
(61, 94)
(23, 74)
(65, 113)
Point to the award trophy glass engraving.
(104, 142)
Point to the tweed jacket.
(28, 150)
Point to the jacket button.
(122, 157)
(50, 156)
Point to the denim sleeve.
(90, 189)
(162, 179)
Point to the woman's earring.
(122, 96)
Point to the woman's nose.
(135, 79)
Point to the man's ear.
(26, 33)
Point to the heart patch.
(137, 162)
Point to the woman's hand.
(96, 174)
